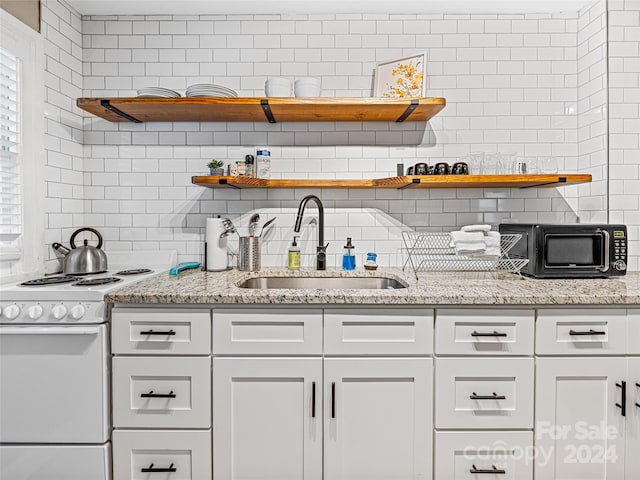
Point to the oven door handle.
(607, 246)
(49, 330)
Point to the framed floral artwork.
(401, 78)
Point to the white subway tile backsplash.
(526, 63)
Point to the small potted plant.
(215, 168)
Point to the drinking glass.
(475, 162)
(490, 164)
(525, 165)
(548, 164)
(505, 162)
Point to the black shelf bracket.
(414, 181)
(223, 181)
(266, 108)
(117, 111)
(412, 106)
(560, 180)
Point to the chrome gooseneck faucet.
(321, 248)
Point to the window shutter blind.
(10, 174)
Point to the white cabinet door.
(378, 419)
(267, 424)
(633, 419)
(580, 431)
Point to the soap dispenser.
(294, 255)
(348, 257)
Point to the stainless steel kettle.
(84, 259)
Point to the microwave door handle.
(607, 245)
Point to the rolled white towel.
(468, 243)
(476, 228)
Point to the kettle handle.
(85, 229)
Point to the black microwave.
(570, 251)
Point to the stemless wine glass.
(475, 162)
(505, 162)
(490, 164)
(548, 164)
(525, 165)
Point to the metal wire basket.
(433, 252)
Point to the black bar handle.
(623, 402)
(313, 399)
(150, 469)
(493, 470)
(590, 332)
(488, 334)
(158, 395)
(333, 399)
(158, 332)
(638, 385)
(495, 396)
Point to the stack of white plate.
(209, 90)
(153, 92)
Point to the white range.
(55, 371)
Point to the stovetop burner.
(136, 271)
(96, 281)
(39, 282)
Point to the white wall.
(624, 123)
(64, 170)
(592, 112)
(528, 83)
(510, 82)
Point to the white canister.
(263, 163)
(216, 254)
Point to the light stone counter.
(441, 288)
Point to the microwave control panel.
(619, 250)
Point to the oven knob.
(59, 311)
(77, 312)
(620, 265)
(35, 312)
(11, 312)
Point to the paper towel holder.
(216, 255)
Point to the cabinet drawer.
(581, 331)
(472, 455)
(633, 338)
(159, 392)
(177, 454)
(283, 331)
(465, 391)
(160, 331)
(382, 331)
(484, 332)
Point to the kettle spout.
(60, 248)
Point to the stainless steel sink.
(323, 283)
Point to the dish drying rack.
(432, 252)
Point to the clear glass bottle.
(348, 257)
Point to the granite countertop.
(437, 288)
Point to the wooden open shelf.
(255, 109)
(428, 181)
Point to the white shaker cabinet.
(316, 418)
(580, 430)
(267, 418)
(378, 422)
